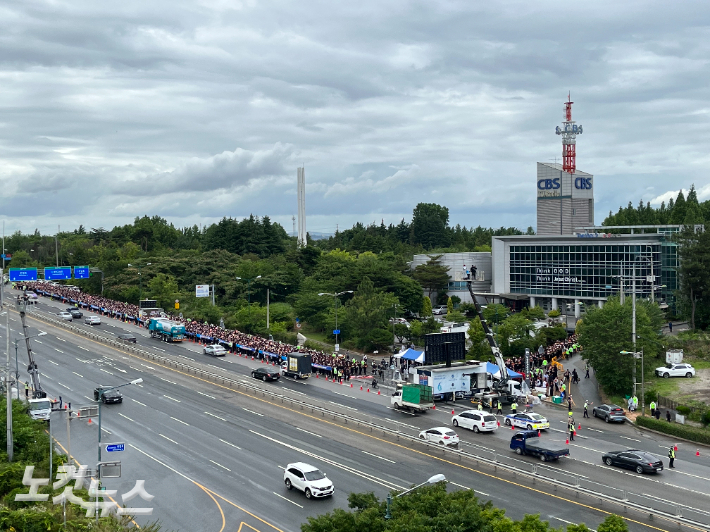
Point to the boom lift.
(40, 407)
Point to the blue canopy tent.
(411, 354)
(494, 370)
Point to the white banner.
(202, 290)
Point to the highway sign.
(202, 290)
(336, 331)
(109, 469)
(115, 447)
(23, 274)
(337, 347)
(61, 272)
(81, 272)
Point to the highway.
(212, 448)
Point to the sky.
(196, 110)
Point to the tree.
(366, 318)
(164, 289)
(449, 306)
(694, 271)
(432, 275)
(613, 523)
(430, 226)
(426, 307)
(480, 348)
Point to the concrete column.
(532, 301)
(600, 303)
(554, 304)
(577, 309)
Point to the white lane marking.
(632, 439)
(162, 463)
(160, 349)
(569, 522)
(84, 348)
(121, 370)
(107, 371)
(459, 485)
(166, 380)
(62, 339)
(309, 432)
(220, 465)
(67, 387)
(38, 342)
(172, 398)
(214, 415)
(380, 457)
(595, 430)
(479, 492)
(164, 436)
(344, 395)
(52, 362)
(206, 395)
(75, 373)
(228, 443)
(136, 369)
(122, 415)
(342, 406)
(179, 420)
(252, 412)
(289, 500)
(108, 432)
(89, 398)
(146, 366)
(59, 350)
(137, 401)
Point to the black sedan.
(639, 461)
(75, 312)
(609, 413)
(265, 374)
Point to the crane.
(38, 392)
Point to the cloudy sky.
(195, 110)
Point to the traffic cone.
(262, 360)
(512, 427)
(361, 387)
(697, 453)
(452, 412)
(675, 447)
(538, 433)
(433, 407)
(567, 441)
(498, 422)
(368, 390)
(579, 427)
(378, 392)
(317, 375)
(351, 384)
(89, 421)
(575, 433)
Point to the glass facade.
(591, 270)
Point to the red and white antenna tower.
(569, 132)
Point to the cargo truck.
(166, 330)
(413, 397)
(526, 442)
(297, 365)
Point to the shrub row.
(675, 429)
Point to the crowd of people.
(543, 355)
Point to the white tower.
(301, 175)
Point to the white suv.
(309, 479)
(676, 370)
(441, 309)
(475, 421)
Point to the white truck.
(39, 408)
(412, 397)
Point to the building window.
(591, 211)
(574, 211)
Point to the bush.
(683, 410)
(285, 336)
(554, 313)
(650, 396)
(705, 418)
(674, 429)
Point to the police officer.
(480, 405)
(571, 428)
(653, 408)
(27, 390)
(671, 457)
(514, 407)
(500, 408)
(586, 404)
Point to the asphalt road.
(186, 437)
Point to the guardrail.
(673, 511)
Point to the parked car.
(126, 338)
(92, 320)
(440, 309)
(266, 374)
(75, 312)
(309, 479)
(609, 413)
(109, 396)
(639, 461)
(65, 316)
(475, 421)
(215, 350)
(441, 435)
(676, 370)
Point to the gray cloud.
(194, 110)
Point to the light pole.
(636, 356)
(335, 302)
(431, 480)
(394, 323)
(140, 281)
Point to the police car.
(528, 420)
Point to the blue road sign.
(81, 272)
(115, 447)
(608, 286)
(23, 274)
(336, 331)
(62, 272)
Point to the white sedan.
(527, 420)
(441, 435)
(475, 421)
(215, 350)
(676, 370)
(92, 320)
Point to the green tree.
(426, 307)
(432, 275)
(694, 271)
(449, 306)
(514, 327)
(430, 226)
(495, 313)
(480, 348)
(613, 523)
(366, 316)
(164, 289)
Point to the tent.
(494, 370)
(411, 354)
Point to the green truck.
(413, 397)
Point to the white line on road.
(107, 371)
(62, 339)
(595, 430)
(569, 522)
(146, 366)
(75, 373)
(166, 380)
(106, 431)
(632, 439)
(121, 370)
(220, 465)
(122, 415)
(206, 395)
(289, 500)
(137, 401)
(89, 398)
(478, 492)
(309, 432)
(84, 348)
(38, 341)
(228, 443)
(342, 406)
(459, 485)
(52, 362)
(214, 415)
(172, 398)
(67, 387)
(164, 436)
(252, 412)
(136, 369)
(162, 463)
(59, 350)
(179, 420)
(380, 457)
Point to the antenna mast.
(569, 132)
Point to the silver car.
(65, 315)
(92, 320)
(215, 350)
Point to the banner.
(202, 290)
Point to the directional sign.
(81, 272)
(110, 469)
(62, 272)
(115, 447)
(23, 274)
(336, 331)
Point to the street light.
(140, 281)
(101, 393)
(335, 302)
(636, 356)
(431, 480)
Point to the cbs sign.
(582, 183)
(549, 184)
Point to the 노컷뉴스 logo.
(67, 473)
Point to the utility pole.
(8, 386)
(633, 322)
(267, 310)
(56, 245)
(394, 323)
